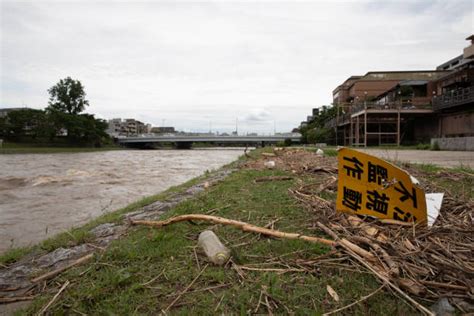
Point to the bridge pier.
(183, 145)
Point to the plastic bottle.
(213, 248)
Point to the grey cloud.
(190, 63)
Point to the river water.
(44, 194)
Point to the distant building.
(163, 130)
(127, 127)
(453, 99)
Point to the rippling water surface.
(44, 194)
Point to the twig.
(259, 302)
(382, 277)
(273, 178)
(185, 290)
(154, 279)
(219, 304)
(59, 270)
(273, 269)
(43, 310)
(197, 259)
(356, 302)
(15, 299)
(211, 288)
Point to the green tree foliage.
(67, 96)
(315, 132)
(320, 135)
(84, 128)
(61, 120)
(3, 127)
(26, 122)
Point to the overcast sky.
(197, 64)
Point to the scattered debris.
(273, 178)
(442, 307)
(332, 293)
(426, 262)
(215, 251)
(185, 290)
(269, 164)
(53, 273)
(55, 297)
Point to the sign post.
(371, 186)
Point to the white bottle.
(213, 248)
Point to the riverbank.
(145, 270)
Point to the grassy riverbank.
(144, 272)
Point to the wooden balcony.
(455, 98)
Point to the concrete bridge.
(185, 142)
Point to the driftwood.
(59, 270)
(16, 299)
(380, 273)
(241, 225)
(429, 263)
(273, 178)
(45, 308)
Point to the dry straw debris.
(427, 263)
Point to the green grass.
(144, 272)
(13, 255)
(428, 167)
(458, 182)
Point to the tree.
(315, 130)
(67, 96)
(27, 122)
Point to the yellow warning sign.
(371, 186)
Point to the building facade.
(128, 127)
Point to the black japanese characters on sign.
(352, 199)
(397, 215)
(406, 194)
(377, 202)
(377, 173)
(356, 169)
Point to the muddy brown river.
(44, 194)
